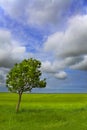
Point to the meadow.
(43, 112)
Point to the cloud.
(71, 45)
(13, 7)
(81, 65)
(47, 67)
(70, 61)
(61, 75)
(2, 80)
(52, 67)
(3, 72)
(60, 64)
(72, 42)
(40, 12)
(45, 12)
(11, 51)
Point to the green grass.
(44, 112)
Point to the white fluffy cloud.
(10, 51)
(13, 7)
(73, 41)
(49, 11)
(70, 45)
(58, 65)
(61, 75)
(53, 67)
(37, 11)
(48, 67)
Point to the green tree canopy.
(24, 76)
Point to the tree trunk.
(19, 100)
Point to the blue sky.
(54, 32)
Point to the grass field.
(44, 112)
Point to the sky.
(52, 31)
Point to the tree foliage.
(24, 76)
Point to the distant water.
(50, 90)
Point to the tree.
(23, 77)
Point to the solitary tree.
(25, 76)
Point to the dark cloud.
(82, 65)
